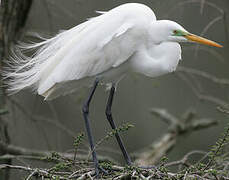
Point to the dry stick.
(41, 118)
(202, 6)
(202, 96)
(41, 172)
(183, 161)
(211, 23)
(49, 16)
(226, 26)
(83, 174)
(204, 74)
(182, 3)
(32, 174)
(211, 51)
(155, 151)
(226, 111)
(165, 116)
(16, 151)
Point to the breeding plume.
(104, 49)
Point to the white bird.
(125, 39)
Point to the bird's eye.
(175, 31)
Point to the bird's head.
(173, 32)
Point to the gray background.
(136, 94)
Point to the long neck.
(158, 31)
(157, 60)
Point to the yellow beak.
(201, 40)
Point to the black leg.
(87, 124)
(113, 126)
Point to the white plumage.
(126, 38)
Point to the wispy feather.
(24, 71)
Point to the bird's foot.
(100, 171)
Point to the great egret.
(124, 39)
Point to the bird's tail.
(27, 64)
(21, 69)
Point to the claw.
(103, 170)
(100, 171)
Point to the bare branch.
(16, 151)
(41, 118)
(184, 160)
(202, 96)
(204, 74)
(206, 28)
(178, 127)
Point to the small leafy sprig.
(123, 128)
(77, 141)
(217, 149)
